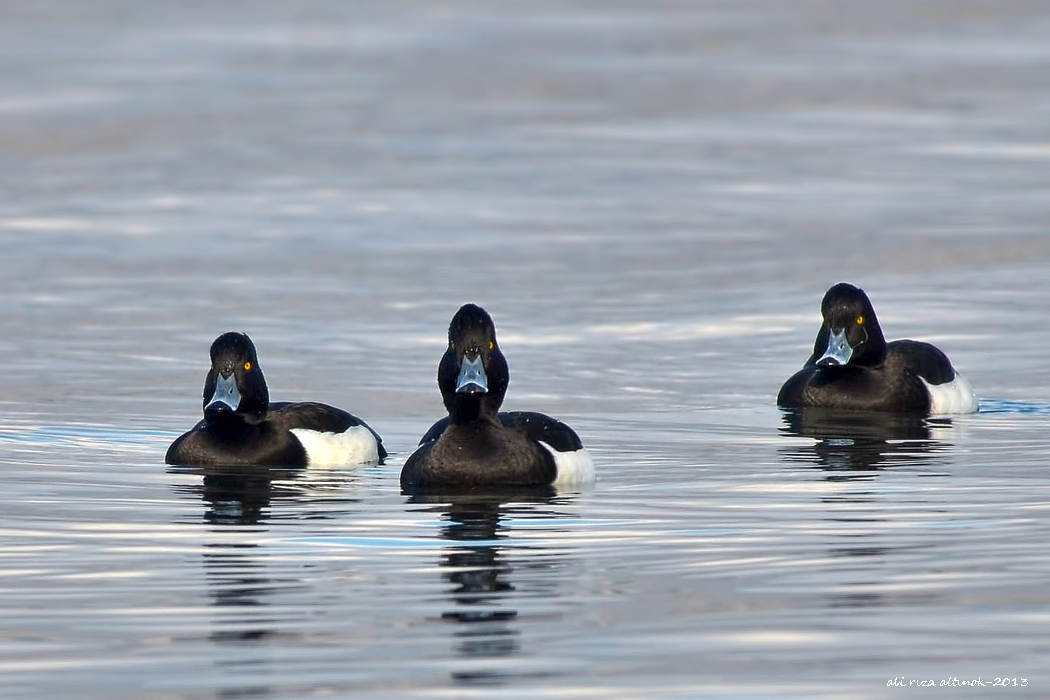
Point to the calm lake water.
(650, 198)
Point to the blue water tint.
(561, 523)
(390, 543)
(78, 434)
(650, 199)
(1021, 407)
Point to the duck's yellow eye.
(491, 345)
(860, 320)
(247, 365)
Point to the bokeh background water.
(650, 198)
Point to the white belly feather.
(573, 467)
(955, 396)
(355, 446)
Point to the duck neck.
(468, 409)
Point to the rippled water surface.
(650, 199)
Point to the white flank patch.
(955, 396)
(573, 467)
(355, 446)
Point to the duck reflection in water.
(849, 446)
(237, 495)
(240, 582)
(475, 563)
(850, 441)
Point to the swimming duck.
(477, 445)
(853, 367)
(242, 428)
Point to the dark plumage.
(476, 445)
(242, 428)
(853, 367)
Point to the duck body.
(483, 452)
(241, 427)
(853, 367)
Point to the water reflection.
(236, 498)
(246, 495)
(247, 623)
(849, 445)
(852, 441)
(237, 495)
(477, 564)
(236, 567)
